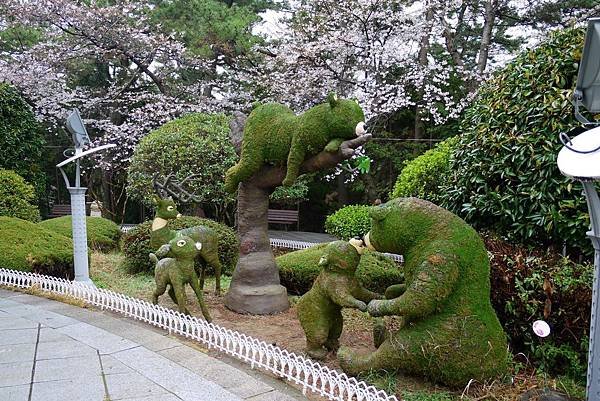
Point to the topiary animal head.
(183, 247)
(341, 257)
(166, 209)
(399, 223)
(345, 118)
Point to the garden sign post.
(80, 250)
(580, 159)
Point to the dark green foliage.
(136, 244)
(527, 286)
(16, 197)
(102, 234)
(349, 222)
(21, 139)
(422, 176)
(503, 173)
(454, 335)
(196, 143)
(26, 246)
(298, 270)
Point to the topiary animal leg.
(295, 159)
(200, 297)
(161, 286)
(250, 162)
(387, 357)
(180, 296)
(213, 259)
(172, 295)
(336, 326)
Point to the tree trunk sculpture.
(255, 286)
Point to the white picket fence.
(295, 368)
(291, 244)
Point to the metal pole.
(593, 372)
(80, 249)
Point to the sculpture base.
(257, 300)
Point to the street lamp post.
(580, 159)
(80, 250)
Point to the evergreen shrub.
(17, 197)
(102, 234)
(348, 222)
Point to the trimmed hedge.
(349, 222)
(503, 174)
(136, 244)
(26, 246)
(298, 270)
(422, 176)
(103, 234)
(16, 197)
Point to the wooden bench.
(283, 217)
(65, 210)
(59, 211)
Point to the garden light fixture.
(580, 159)
(80, 251)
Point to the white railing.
(295, 368)
(291, 244)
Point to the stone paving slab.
(76, 353)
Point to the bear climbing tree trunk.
(255, 287)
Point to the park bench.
(285, 217)
(59, 211)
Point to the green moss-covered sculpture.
(177, 271)
(320, 309)
(274, 134)
(451, 333)
(166, 210)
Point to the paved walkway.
(301, 236)
(51, 351)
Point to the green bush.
(21, 139)
(298, 270)
(349, 222)
(103, 234)
(527, 286)
(26, 246)
(422, 176)
(503, 173)
(16, 197)
(196, 143)
(136, 244)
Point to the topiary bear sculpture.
(451, 333)
(274, 134)
(177, 271)
(319, 310)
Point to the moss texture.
(336, 287)
(298, 270)
(26, 246)
(275, 135)
(451, 333)
(102, 234)
(177, 271)
(136, 244)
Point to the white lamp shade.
(584, 166)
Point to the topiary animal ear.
(332, 99)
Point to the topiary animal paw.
(317, 353)
(288, 182)
(374, 307)
(347, 358)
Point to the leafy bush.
(527, 286)
(503, 173)
(196, 143)
(349, 222)
(26, 246)
(136, 244)
(422, 176)
(298, 270)
(102, 234)
(21, 141)
(16, 197)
